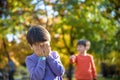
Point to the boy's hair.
(83, 42)
(37, 34)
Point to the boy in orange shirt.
(85, 67)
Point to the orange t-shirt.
(85, 68)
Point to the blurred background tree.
(67, 21)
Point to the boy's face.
(41, 49)
(81, 48)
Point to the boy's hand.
(72, 57)
(46, 49)
(42, 50)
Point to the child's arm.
(93, 68)
(36, 71)
(55, 64)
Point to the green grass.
(101, 78)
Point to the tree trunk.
(5, 49)
(70, 70)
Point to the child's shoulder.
(89, 55)
(54, 54)
(30, 56)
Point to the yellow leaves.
(27, 20)
(9, 44)
(57, 19)
(64, 59)
(113, 56)
(66, 27)
(3, 62)
(16, 3)
(60, 44)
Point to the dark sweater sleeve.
(55, 64)
(36, 71)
